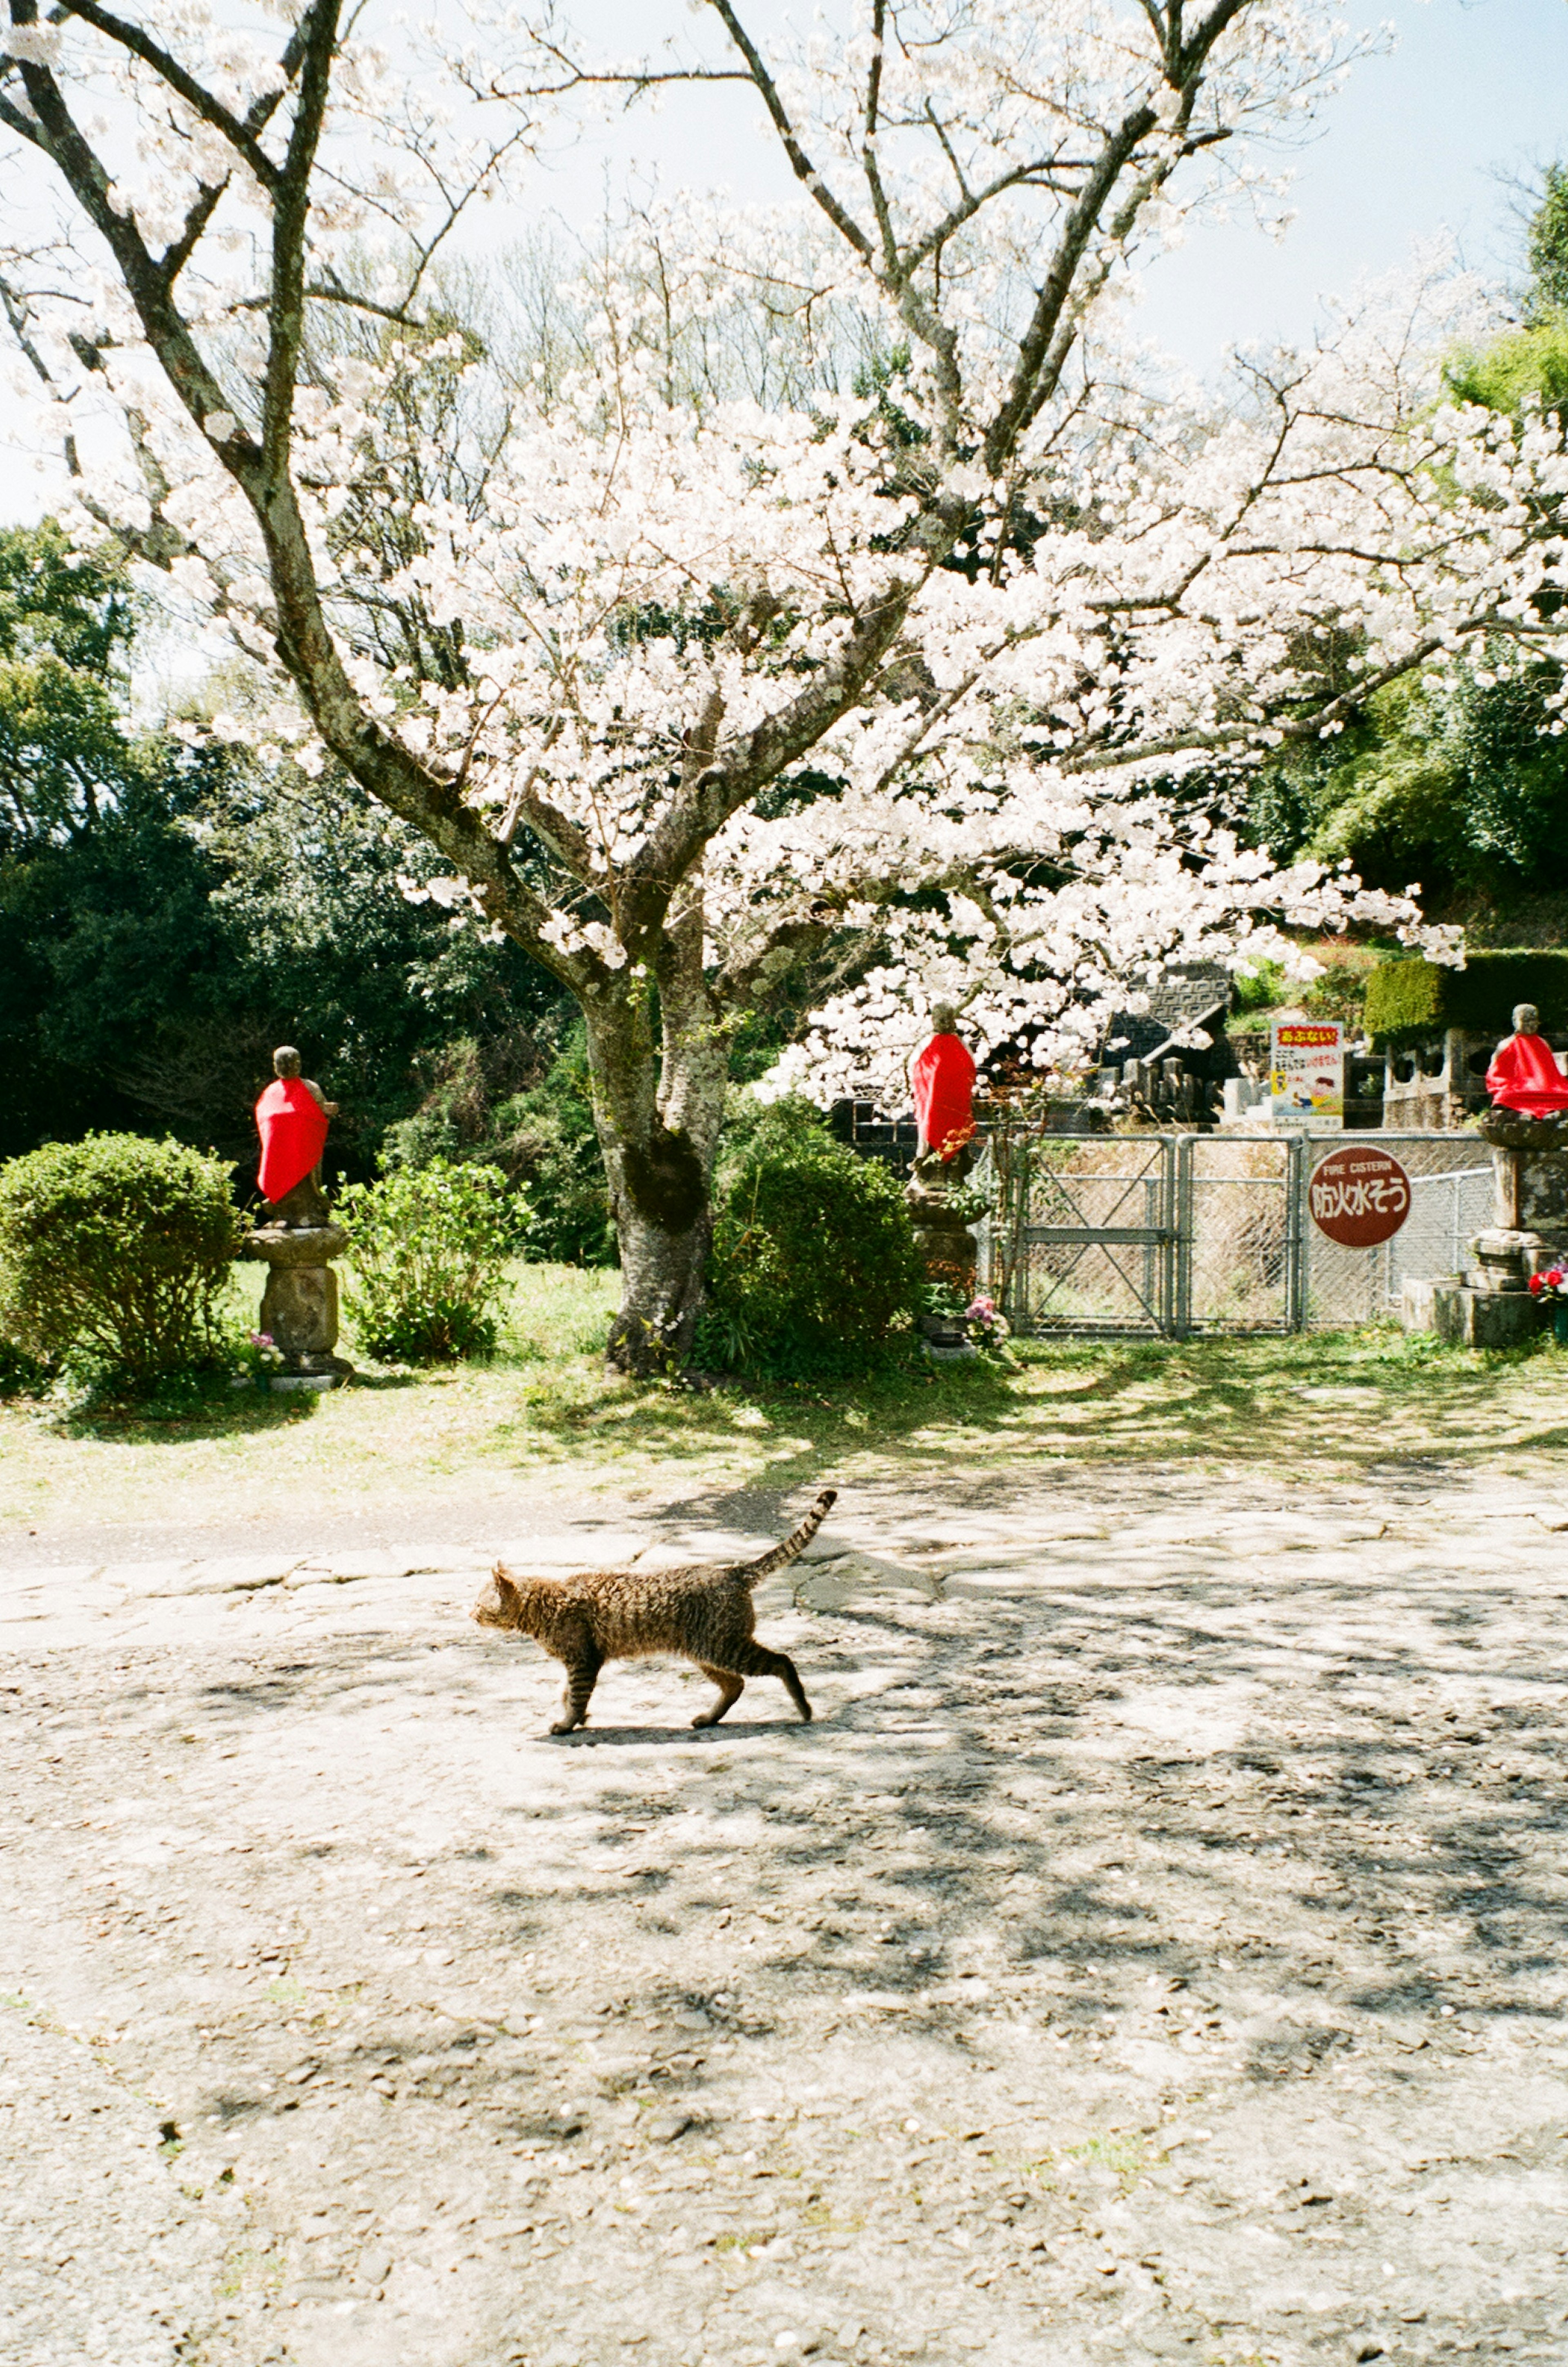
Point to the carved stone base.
(1505, 1258)
(1512, 1131)
(300, 1304)
(1472, 1319)
(944, 1241)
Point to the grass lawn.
(1333, 1404)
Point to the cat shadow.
(617, 1736)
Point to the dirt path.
(1156, 1950)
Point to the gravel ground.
(1155, 1950)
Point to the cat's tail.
(794, 1546)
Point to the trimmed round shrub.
(427, 1258)
(814, 1263)
(116, 1249)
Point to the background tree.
(1463, 783)
(682, 690)
(168, 912)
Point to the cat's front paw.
(566, 1726)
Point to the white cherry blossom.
(834, 594)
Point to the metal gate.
(1177, 1234)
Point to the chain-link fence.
(1082, 1234)
(1451, 1202)
(1182, 1233)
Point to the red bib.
(1524, 1075)
(943, 1082)
(293, 1129)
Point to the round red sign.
(1359, 1196)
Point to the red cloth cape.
(293, 1129)
(1524, 1075)
(943, 1079)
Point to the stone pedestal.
(299, 1306)
(1472, 1319)
(1491, 1306)
(1505, 1258)
(943, 1238)
(1530, 1169)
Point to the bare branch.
(804, 172)
(200, 100)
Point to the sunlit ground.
(1340, 1403)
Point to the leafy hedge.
(542, 1139)
(814, 1262)
(427, 1258)
(1409, 1000)
(117, 1249)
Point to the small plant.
(430, 1246)
(259, 1358)
(945, 1295)
(967, 1204)
(113, 1253)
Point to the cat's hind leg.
(582, 1676)
(730, 1689)
(754, 1660)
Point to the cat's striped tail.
(794, 1546)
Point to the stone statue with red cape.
(1524, 1074)
(298, 1242)
(941, 1078)
(291, 1119)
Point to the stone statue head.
(286, 1062)
(944, 1019)
(1526, 1019)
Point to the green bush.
(814, 1263)
(115, 1249)
(20, 1373)
(542, 1138)
(1409, 1000)
(427, 1256)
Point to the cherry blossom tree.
(923, 671)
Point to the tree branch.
(804, 172)
(1043, 349)
(54, 130)
(290, 217)
(200, 100)
(760, 755)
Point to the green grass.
(546, 1410)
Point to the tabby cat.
(703, 1611)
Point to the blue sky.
(1414, 145)
(1473, 90)
(1424, 141)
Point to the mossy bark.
(658, 1105)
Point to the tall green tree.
(1462, 787)
(168, 914)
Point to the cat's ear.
(503, 1586)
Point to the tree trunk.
(658, 1117)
